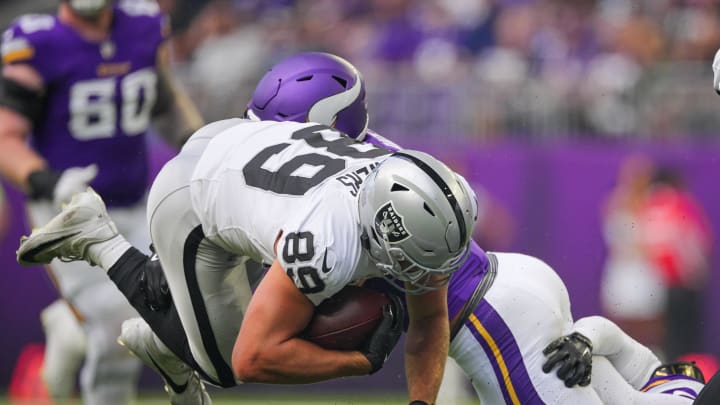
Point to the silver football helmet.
(88, 8)
(417, 217)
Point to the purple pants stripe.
(500, 346)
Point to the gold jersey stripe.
(18, 55)
(498, 358)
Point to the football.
(345, 320)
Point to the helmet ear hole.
(304, 78)
(427, 208)
(340, 80)
(398, 187)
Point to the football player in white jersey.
(300, 88)
(271, 192)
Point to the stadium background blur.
(537, 101)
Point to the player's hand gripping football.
(383, 340)
(573, 353)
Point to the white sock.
(106, 254)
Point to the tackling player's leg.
(613, 388)
(678, 379)
(65, 345)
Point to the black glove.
(383, 340)
(41, 184)
(154, 286)
(59, 187)
(574, 355)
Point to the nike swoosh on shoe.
(177, 388)
(32, 252)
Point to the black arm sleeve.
(22, 99)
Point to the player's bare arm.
(426, 345)
(21, 85)
(267, 348)
(176, 115)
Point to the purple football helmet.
(313, 87)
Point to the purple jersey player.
(83, 85)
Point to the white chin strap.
(325, 110)
(251, 115)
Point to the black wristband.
(41, 184)
(417, 402)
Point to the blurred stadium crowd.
(474, 68)
(527, 68)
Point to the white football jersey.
(258, 181)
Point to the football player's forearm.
(297, 361)
(187, 111)
(426, 350)
(17, 159)
(177, 116)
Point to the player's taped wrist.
(41, 184)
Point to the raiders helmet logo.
(389, 222)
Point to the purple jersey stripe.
(502, 350)
(378, 140)
(681, 392)
(655, 381)
(465, 280)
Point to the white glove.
(73, 180)
(716, 72)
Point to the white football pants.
(500, 346)
(208, 284)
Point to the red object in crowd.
(707, 363)
(676, 236)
